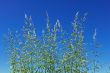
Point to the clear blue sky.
(12, 16)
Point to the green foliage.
(52, 52)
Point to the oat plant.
(54, 51)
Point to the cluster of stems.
(54, 51)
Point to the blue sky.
(12, 16)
